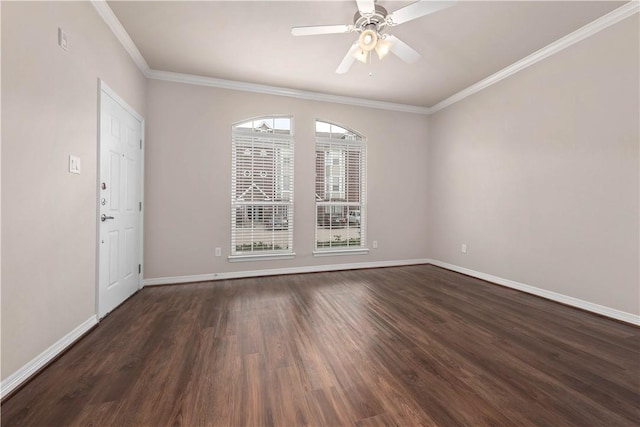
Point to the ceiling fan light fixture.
(368, 40)
(382, 48)
(361, 55)
(371, 22)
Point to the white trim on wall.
(588, 30)
(553, 296)
(21, 375)
(113, 94)
(278, 271)
(283, 91)
(559, 45)
(121, 34)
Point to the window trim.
(261, 257)
(245, 133)
(340, 252)
(361, 143)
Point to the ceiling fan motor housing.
(371, 21)
(376, 21)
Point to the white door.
(119, 202)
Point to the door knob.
(104, 217)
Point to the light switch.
(218, 251)
(62, 39)
(74, 164)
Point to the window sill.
(332, 252)
(261, 257)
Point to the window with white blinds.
(262, 188)
(340, 189)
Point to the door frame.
(103, 87)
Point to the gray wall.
(538, 174)
(188, 178)
(49, 111)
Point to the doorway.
(119, 210)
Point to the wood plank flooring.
(408, 346)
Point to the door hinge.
(139, 268)
(141, 144)
(140, 206)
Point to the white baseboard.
(278, 271)
(22, 374)
(554, 296)
(17, 378)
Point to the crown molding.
(121, 34)
(282, 91)
(582, 33)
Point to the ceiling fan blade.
(366, 7)
(348, 60)
(321, 29)
(403, 50)
(417, 10)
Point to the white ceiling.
(250, 41)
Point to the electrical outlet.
(375, 244)
(218, 251)
(464, 248)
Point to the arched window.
(340, 189)
(262, 188)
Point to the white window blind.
(340, 189)
(262, 187)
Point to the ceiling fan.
(371, 21)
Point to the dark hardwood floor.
(414, 345)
